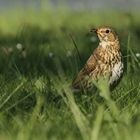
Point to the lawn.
(38, 61)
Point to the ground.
(38, 61)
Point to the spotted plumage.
(106, 59)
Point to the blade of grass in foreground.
(26, 132)
(13, 92)
(103, 87)
(80, 118)
(97, 124)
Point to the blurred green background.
(38, 61)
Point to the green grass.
(35, 99)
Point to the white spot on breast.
(105, 43)
(116, 72)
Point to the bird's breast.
(116, 72)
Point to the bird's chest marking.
(116, 72)
(104, 44)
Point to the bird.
(106, 59)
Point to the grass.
(38, 61)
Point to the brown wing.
(90, 68)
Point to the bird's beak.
(93, 30)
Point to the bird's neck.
(107, 44)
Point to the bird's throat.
(104, 44)
(108, 44)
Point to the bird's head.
(105, 34)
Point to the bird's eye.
(107, 31)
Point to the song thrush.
(106, 59)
